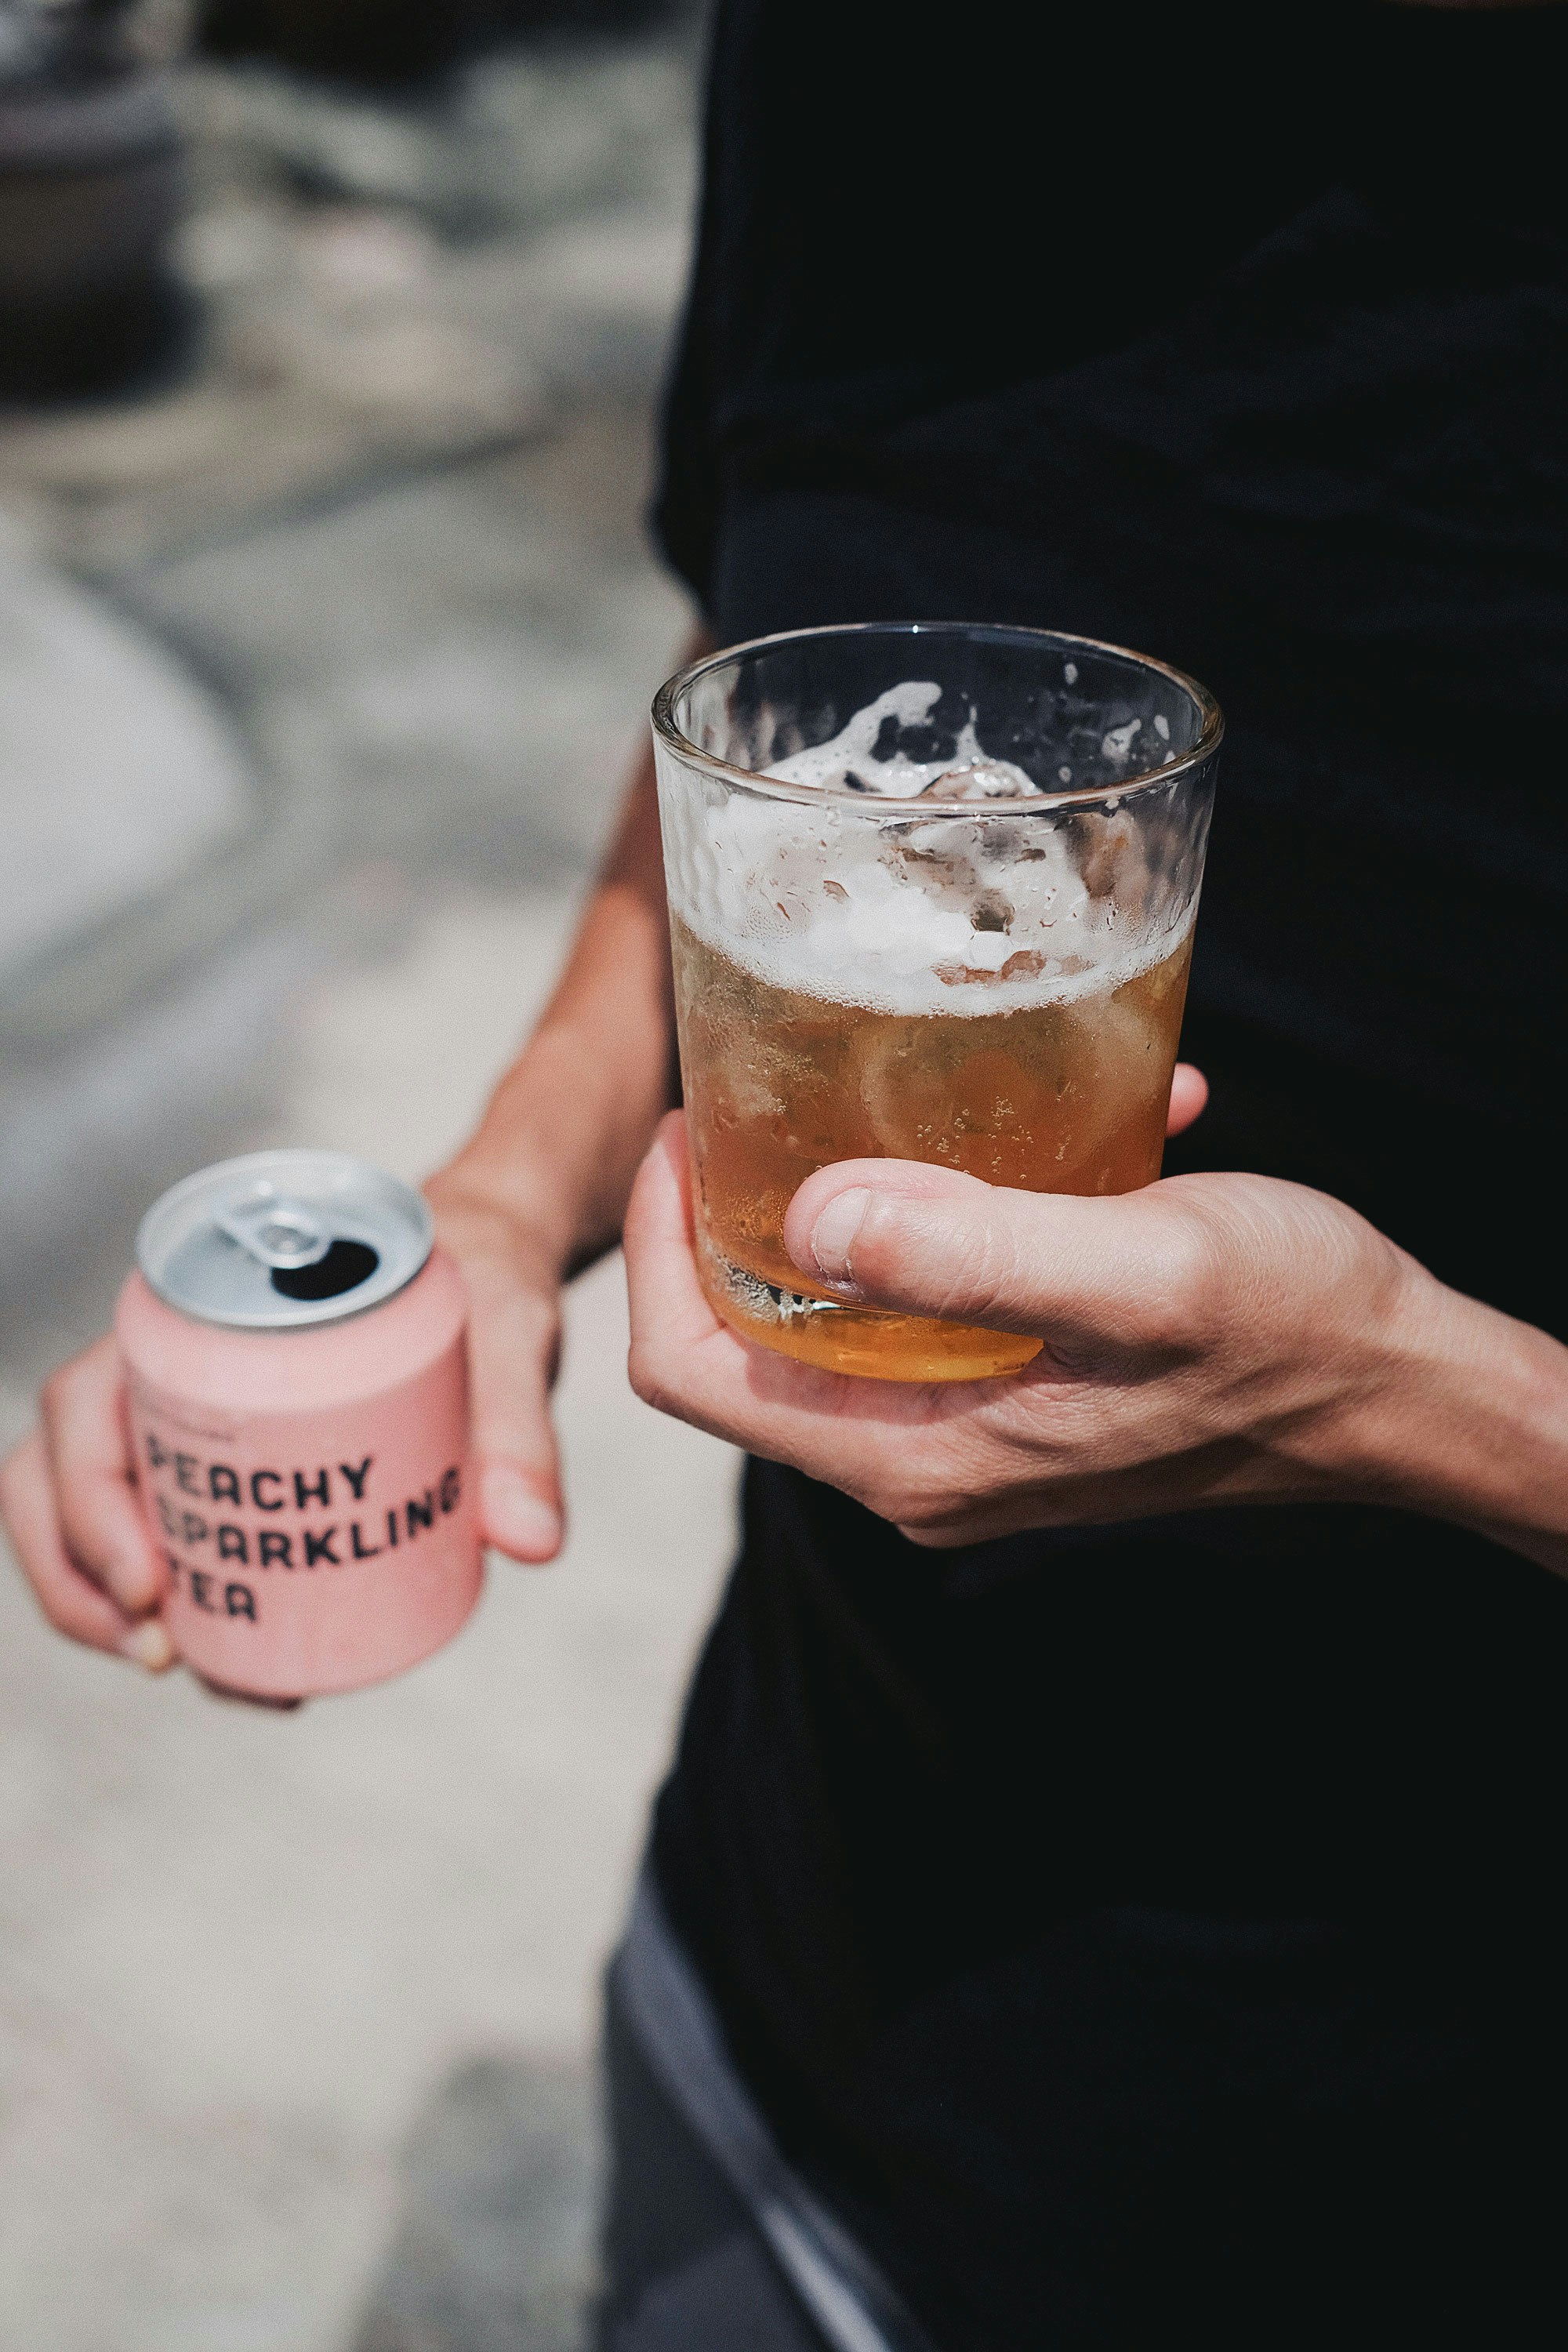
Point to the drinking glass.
(931, 896)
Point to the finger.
(1189, 1097)
(229, 1696)
(683, 1359)
(513, 1348)
(101, 1518)
(670, 1308)
(686, 1361)
(71, 1601)
(928, 1241)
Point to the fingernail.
(833, 1235)
(516, 1519)
(148, 1644)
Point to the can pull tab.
(277, 1232)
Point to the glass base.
(862, 1341)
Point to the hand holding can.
(295, 1351)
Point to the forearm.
(558, 1147)
(1473, 1423)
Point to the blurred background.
(330, 336)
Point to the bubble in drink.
(994, 986)
(1051, 1098)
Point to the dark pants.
(685, 2269)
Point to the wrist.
(1471, 1420)
(1398, 1391)
(492, 1207)
(548, 1173)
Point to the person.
(1109, 1877)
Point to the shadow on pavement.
(494, 2250)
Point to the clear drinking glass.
(931, 895)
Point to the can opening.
(343, 1266)
(283, 1240)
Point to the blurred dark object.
(91, 184)
(393, 41)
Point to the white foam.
(848, 763)
(969, 915)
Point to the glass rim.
(1210, 734)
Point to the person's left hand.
(1211, 1339)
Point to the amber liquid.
(1064, 1097)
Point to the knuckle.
(943, 1498)
(938, 1537)
(919, 1519)
(1183, 1286)
(914, 1505)
(905, 1500)
(941, 1518)
(882, 1502)
(984, 1267)
(648, 1376)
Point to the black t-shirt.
(1164, 1922)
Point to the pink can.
(295, 1351)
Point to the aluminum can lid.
(278, 1241)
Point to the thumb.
(513, 1344)
(929, 1241)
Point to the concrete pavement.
(247, 1960)
(296, 2014)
